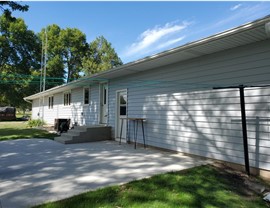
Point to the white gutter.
(27, 100)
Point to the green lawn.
(18, 129)
(204, 186)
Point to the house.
(174, 91)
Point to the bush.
(35, 123)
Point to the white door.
(104, 103)
(121, 114)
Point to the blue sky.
(139, 29)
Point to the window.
(105, 96)
(86, 96)
(123, 104)
(50, 102)
(67, 98)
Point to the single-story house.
(173, 91)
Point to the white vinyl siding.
(91, 111)
(76, 107)
(184, 113)
(76, 111)
(182, 110)
(35, 109)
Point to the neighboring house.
(173, 90)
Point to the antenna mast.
(41, 65)
(42, 86)
(45, 60)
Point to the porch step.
(81, 134)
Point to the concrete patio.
(35, 171)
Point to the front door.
(121, 114)
(104, 103)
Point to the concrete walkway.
(39, 170)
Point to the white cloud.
(237, 6)
(246, 13)
(155, 38)
(170, 42)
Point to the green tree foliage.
(74, 48)
(100, 56)
(19, 51)
(55, 65)
(68, 57)
(69, 54)
(8, 6)
(65, 49)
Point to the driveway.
(34, 171)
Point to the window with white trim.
(86, 95)
(67, 98)
(50, 102)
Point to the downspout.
(43, 102)
(28, 102)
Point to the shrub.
(35, 123)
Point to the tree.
(66, 47)
(67, 54)
(19, 55)
(100, 56)
(55, 68)
(19, 47)
(74, 48)
(8, 6)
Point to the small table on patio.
(136, 124)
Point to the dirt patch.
(247, 186)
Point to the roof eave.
(120, 69)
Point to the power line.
(27, 76)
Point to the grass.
(10, 130)
(205, 186)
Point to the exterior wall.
(184, 114)
(49, 114)
(77, 111)
(91, 111)
(35, 109)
